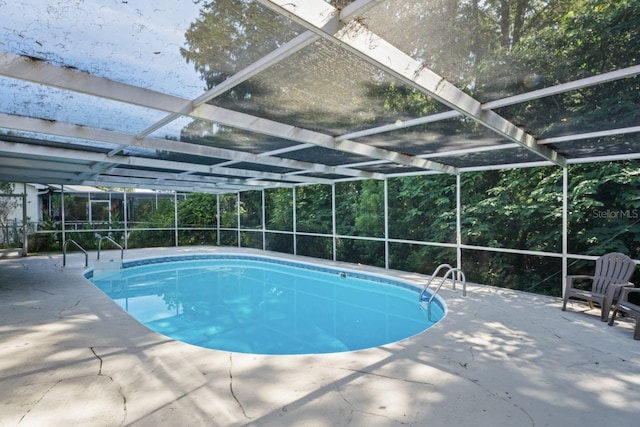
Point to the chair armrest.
(624, 294)
(614, 288)
(571, 278)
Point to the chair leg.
(606, 307)
(613, 317)
(564, 303)
(604, 314)
(636, 331)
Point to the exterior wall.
(34, 213)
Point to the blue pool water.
(265, 305)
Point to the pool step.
(108, 265)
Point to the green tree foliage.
(198, 212)
(229, 35)
(251, 209)
(423, 208)
(279, 217)
(229, 210)
(517, 209)
(279, 209)
(314, 209)
(149, 215)
(527, 202)
(575, 40)
(360, 212)
(604, 208)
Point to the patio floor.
(70, 356)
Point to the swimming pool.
(265, 305)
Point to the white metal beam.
(25, 174)
(137, 183)
(82, 132)
(564, 87)
(41, 72)
(401, 125)
(44, 165)
(589, 135)
(512, 100)
(65, 154)
(326, 21)
(161, 177)
(609, 158)
(152, 183)
(28, 179)
(293, 133)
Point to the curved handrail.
(434, 275)
(64, 252)
(453, 279)
(109, 238)
(456, 274)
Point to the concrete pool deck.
(71, 356)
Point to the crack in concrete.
(465, 365)
(99, 358)
(61, 313)
(352, 409)
(515, 405)
(38, 401)
(478, 383)
(120, 391)
(374, 414)
(231, 388)
(388, 377)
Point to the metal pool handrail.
(64, 252)
(109, 238)
(433, 276)
(451, 271)
(454, 273)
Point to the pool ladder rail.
(110, 239)
(452, 273)
(86, 255)
(64, 252)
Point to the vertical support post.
(64, 226)
(264, 221)
(295, 222)
(238, 219)
(25, 243)
(333, 221)
(458, 223)
(90, 208)
(565, 227)
(175, 216)
(218, 218)
(386, 223)
(126, 216)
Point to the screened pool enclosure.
(499, 136)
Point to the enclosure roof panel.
(229, 95)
